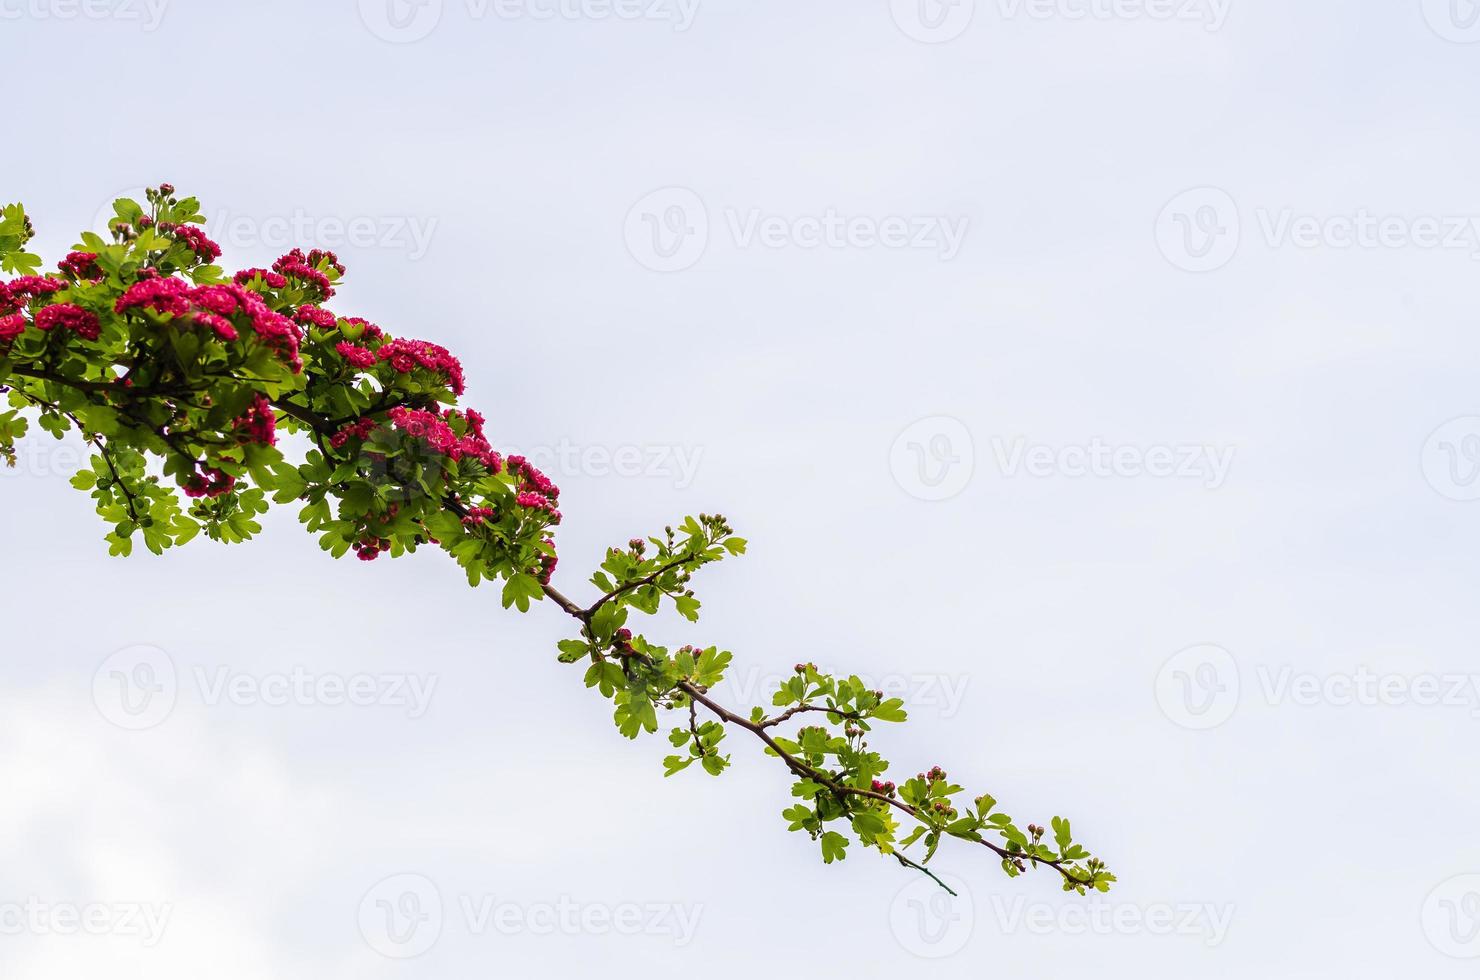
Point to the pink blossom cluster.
(536, 491)
(194, 237)
(68, 316)
(357, 356)
(11, 326)
(17, 292)
(296, 265)
(258, 424)
(209, 483)
(408, 355)
(435, 431)
(212, 306)
(270, 279)
(81, 265)
(371, 548)
(361, 430)
(309, 315)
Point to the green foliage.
(182, 379)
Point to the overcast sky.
(1100, 374)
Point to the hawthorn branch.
(804, 770)
(131, 501)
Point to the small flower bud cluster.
(81, 266)
(194, 237)
(259, 424)
(477, 515)
(306, 269)
(209, 483)
(371, 548)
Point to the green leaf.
(799, 816)
(1061, 834)
(688, 607)
(674, 763)
(891, 710)
(834, 847)
(716, 764)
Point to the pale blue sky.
(498, 176)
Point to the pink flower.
(296, 265)
(271, 280)
(82, 265)
(11, 327)
(357, 356)
(35, 286)
(196, 239)
(69, 316)
(310, 315)
(210, 483)
(161, 295)
(259, 424)
(407, 355)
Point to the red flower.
(357, 356)
(69, 316)
(82, 265)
